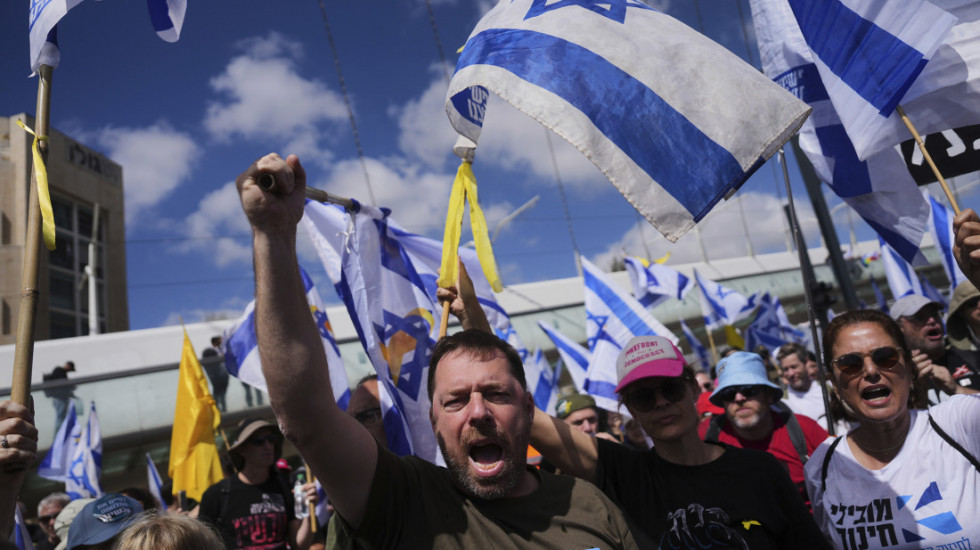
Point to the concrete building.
(79, 180)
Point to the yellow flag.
(194, 462)
(733, 338)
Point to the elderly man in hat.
(254, 507)
(752, 421)
(921, 321)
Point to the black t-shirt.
(742, 500)
(249, 517)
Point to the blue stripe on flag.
(851, 176)
(616, 306)
(241, 342)
(159, 15)
(621, 107)
(942, 224)
(874, 63)
(600, 388)
(904, 247)
(804, 82)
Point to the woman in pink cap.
(683, 493)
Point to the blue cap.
(102, 519)
(742, 368)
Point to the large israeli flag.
(85, 467)
(880, 190)
(392, 311)
(242, 349)
(542, 381)
(771, 326)
(56, 462)
(722, 306)
(613, 317)
(901, 276)
(696, 346)
(675, 121)
(575, 357)
(654, 284)
(941, 226)
(868, 54)
(166, 16)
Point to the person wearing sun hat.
(683, 489)
(753, 421)
(96, 525)
(254, 507)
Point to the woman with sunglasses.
(898, 479)
(253, 507)
(683, 493)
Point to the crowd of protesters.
(737, 456)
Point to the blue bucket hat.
(742, 368)
(102, 519)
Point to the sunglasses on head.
(645, 399)
(258, 440)
(727, 395)
(886, 357)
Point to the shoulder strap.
(225, 501)
(953, 443)
(714, 428)
(796, 436)
(826, 462)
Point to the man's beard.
(513, 455)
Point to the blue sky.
(249, 77)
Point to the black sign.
(955, 152)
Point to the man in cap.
(963, 333)
(481, 414)
(47, 511)
(97, 524)
(752, 422)
(803, 393)
(578, 411)
(921, 322)
(254, 507)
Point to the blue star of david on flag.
(612, 9)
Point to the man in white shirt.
(803, 395)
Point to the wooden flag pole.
(711, 342)
(20, 387)
(310, 506)
(928, 157)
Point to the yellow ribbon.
(43, 197)
(464, 186)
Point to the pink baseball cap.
(647, 356)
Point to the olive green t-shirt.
(414, 504)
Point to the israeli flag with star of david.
(542, 381)
(673, 120)
(771, 327)
(696, 346)
(241, 347)
(654, 284)
(575, 357)
(941, 226)
(56, 461)
(722, 306)
(85, 466)
(901, 276)
(613, 317)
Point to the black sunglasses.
(258, 440)
(885, 357)
(727, 395)
(645, 399)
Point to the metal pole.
(814, 190)
(20, 386)
(93, 291)
(808, 280)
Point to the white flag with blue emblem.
(392, 310)
(941, 226)
(901, 276)
(154, 483)
(869, 53)
(696, 346)
(21, 537)
(722, 306)
(575, 357)
(771, 327)
(55, 463)
(241, 346)
(654, 283)
(166, 16)
(673, 120)
(613, 317)
(542, 381)
(881, 190)
(85, 467)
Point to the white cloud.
(155, 161)
(721, 233)
(266, 98)
(424, 130)
(209, 229)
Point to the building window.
(67, 283)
